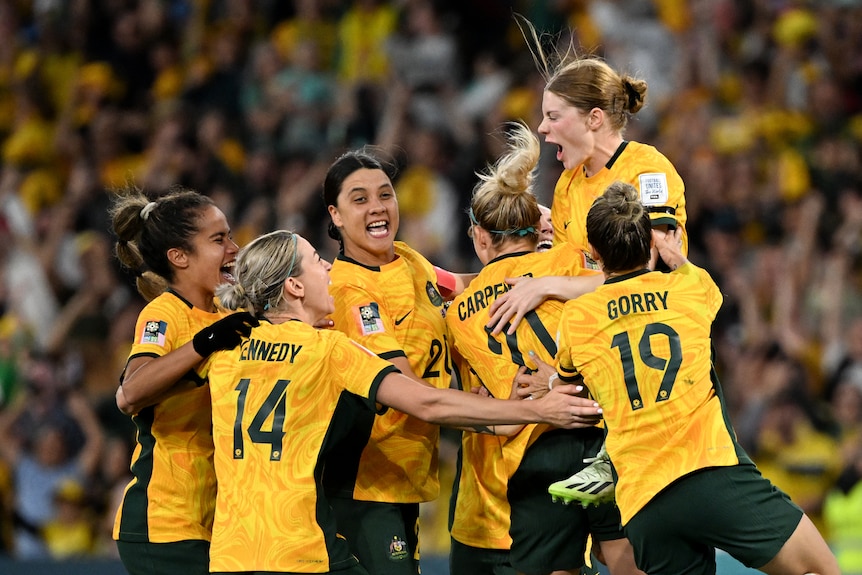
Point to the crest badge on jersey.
(433, 294)
(654, 190)
(397, 549)
(154, 332)
(368, 318)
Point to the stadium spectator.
(51, 436)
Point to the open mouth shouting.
(378, 229)
(227, 272)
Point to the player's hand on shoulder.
(511, 307)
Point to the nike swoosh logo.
(566, 224)
(398, 321)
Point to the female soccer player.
(503, 517)
(285, 398)
(180, 247)
(641, 343)
(586, 106)
(388, 299)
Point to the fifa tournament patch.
(654, 190)
(154, 332)
(433, 294)
(368, 318)
(397, 549)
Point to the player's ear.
(595, 118)
(294, 287)
(178, 258)
(482, 236)
(336, 217)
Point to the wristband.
(445, 281)
(551, 381)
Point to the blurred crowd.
(758, 103)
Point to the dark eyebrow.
(386, 186)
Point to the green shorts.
(548, 536)
(731, 508)
(190, 557)
(467, 560)
(384, 536)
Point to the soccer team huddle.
(288, 409)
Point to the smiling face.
(366, 214)
(568, 128)
(546, 230)
(213, 254)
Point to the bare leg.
(804, 553)
(618, 555)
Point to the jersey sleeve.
(662, 192)
(573, 261)
(358, 369)
(159, 330)
(712, 295)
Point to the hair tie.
(145, 211)
(520, 233)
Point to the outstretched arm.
(94, 437)
(528, 293)
(453, 408)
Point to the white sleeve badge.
(654, 190)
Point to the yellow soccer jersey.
(642, 343)
(481, 512)
(637, 164)
(280, 401)
(394, 310)
(172, 495)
